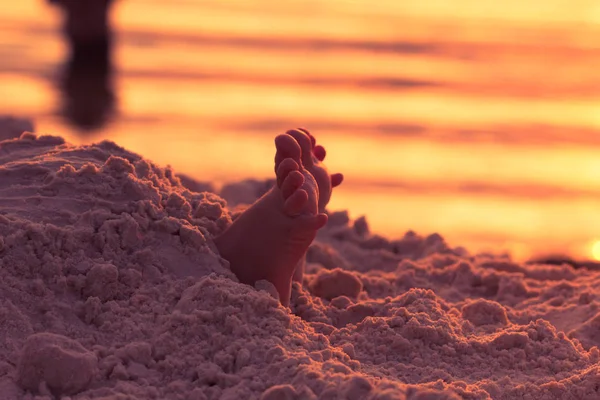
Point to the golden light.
(596, 250)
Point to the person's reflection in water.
(86, 83)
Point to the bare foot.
(270, 238)
(312, 159)
(313, 156)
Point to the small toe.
(311, 222)
(283, 170)
(336, 179)
(296, 202)
(292, 182)
(304, 142)
(319, 152)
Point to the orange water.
(477, 120)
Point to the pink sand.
(111, 288)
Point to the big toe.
(287, 147)
(313, 140)
(305, 143)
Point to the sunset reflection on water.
(478, 121)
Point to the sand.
(12, 127)
(111, 288)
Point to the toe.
(319, 152)
(296, 202)
(284, 168)
(291, 183)
(287, 147)
(313, 141)
(304, 142)
(311, 222)
(336, 179)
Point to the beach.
(111, 287)
(490, 107)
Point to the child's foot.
(312, 159)
(269, 239)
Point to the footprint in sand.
(269, 240)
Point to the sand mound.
(12, 127)
(111, 287)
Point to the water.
(477, 120)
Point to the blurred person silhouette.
(86, 82)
